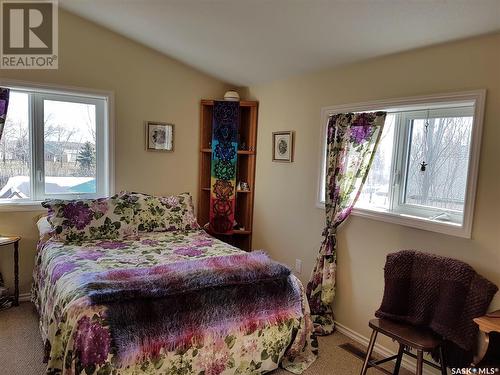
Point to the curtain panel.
(5, 300)
(4, 104)
(351, 143)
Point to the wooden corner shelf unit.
(241, 238)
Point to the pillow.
(160, 214)
(91, 219)
(43, 225)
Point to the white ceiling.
(247, 42)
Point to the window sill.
(11, 206)
(451, 229)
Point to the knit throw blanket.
(438, 293)
(177, 305)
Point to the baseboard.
(408, 362)
(25, 297)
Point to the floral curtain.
(351, 143)
(5, 300)
(4, 104)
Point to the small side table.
(5, 241)
(487, 324)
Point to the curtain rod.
(409, 110)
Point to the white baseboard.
(407, 362)
(25, 297)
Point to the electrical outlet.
(298, 266)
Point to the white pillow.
(43, 226)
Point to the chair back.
(439, 293)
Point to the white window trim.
(109, 130)
(477, 97)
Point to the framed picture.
(159, 136)
(283, 146)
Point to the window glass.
(376, 190)
(69, 147)
(438, 162)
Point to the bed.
(119, 304)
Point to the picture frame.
(159, 136)
(283, 146)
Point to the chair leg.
(369, 352)
(420, 362)
(442, 361)
(397, 366)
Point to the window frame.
(416, 103)
(104, 149)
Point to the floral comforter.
(78, 339)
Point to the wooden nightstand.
(5, 241)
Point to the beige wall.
(147, 86)
(288, 224)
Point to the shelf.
(242, 232)
(245, 171)
(243, 103)
(237, 232)
(240, 152)
(237, 191)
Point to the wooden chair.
(407, 336)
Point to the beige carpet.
(21, 349)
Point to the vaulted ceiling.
(248, 42)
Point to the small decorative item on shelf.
(242, 146)
(283, 146)
(244, 186)
(232, 95)
(237, 226)
(159, 136)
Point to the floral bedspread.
(78, 339)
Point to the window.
(55, 145)
(425, 167)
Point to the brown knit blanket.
(439, 293)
